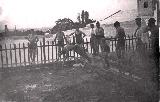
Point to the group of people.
(98, 39)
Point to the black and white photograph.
(79, 50)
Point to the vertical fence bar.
(15, 54)
(48, 51)
(37, 53)
(10, 54)
(129, 42)
(87, 45)
(28, 54)
(24, 52)
(112, 43)
(56, 50)
(2, 57)
(52, 50)
(44, 51)
(20, 54)
(132, 43)
(74, 44)
(6, 55)
(41, 52)
(91, 46)
(149, 45)
(125, 42)
(115, 42)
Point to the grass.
(77, 84)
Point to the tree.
(64, 23)
(82, 16)
(86, 17)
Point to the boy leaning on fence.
(79, 35)
(120, 35)
(142, 38)
(60, 40)
(99, 35)
(33, 39)
(93, 40)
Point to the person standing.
(79, 35)
(120, 35)
(93, 40)
(99, 35)
(33, 39)
(60, 39)
(154, 29)
(142, 38)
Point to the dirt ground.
(49, 83)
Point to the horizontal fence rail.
(14, 55)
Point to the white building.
(147, 9)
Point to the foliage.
(82, 16)
(64, 24)
(68, 24)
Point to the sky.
(44, 13)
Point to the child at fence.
(120, 47)
(142, 38)
(33, 39)
(79, 35)
(99, 32)
(60, 39)
(93, 40)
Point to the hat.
(152, 20)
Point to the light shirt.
(143, 36)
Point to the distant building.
(147, 9)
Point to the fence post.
(125, 43)
(91, 46)
(20, 54)
(2, 57)
(87, 45)
(48, 51)
(112, 43)
(15, 54)
(44, 52)
(6, 55)
(132, 43)
(37, 53)
(56, 50)
(129, 42)
(52, 50)
(11, 54)
(41, 51)
(74, 44)
(24, 54)
(115, 42)
(28, 54)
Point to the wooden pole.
(24, 52)
(44, 52)
(6, 55)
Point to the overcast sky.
(41, 13)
